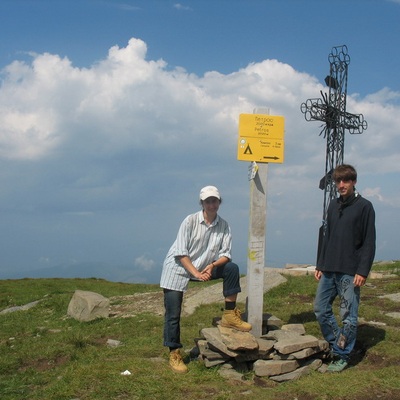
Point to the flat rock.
(236, 340)
(392, 296)
(297, 328)
(323, 346)
(292, 345)
(265, 347)
(274, 367)
(209, 354)
(393, 314)
(298, 373)
(215, 341)
(280, 334)
(20, 308)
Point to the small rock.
(230, 374)
(113, 343)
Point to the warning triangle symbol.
(248, 150)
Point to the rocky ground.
(127, 306)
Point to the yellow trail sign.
(261, 138)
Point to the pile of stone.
(284, 353)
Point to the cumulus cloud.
(128, 102)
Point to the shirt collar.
(203, 221)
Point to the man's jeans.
(341, 339)
(173, 302)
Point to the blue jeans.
(341, 339)
(173, 302)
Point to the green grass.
(46, 355)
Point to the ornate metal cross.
(331, 109)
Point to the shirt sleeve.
(182, 238)
(226, 244)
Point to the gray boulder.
(87, 306)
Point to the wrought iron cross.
(331, 109)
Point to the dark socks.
(230, 305)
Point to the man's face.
(345, 187)
(211, 205)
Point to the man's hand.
(317, 274)
(206, 273)
(359, 280)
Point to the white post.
(256, 244)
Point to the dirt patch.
(377, 362)
(153, 302)
(138, 303)
(44, 364)
(381, 394)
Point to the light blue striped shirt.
(201, 243)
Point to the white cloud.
(376, 194)
(144, 263)
(180, 6)
(383, 96)
(127, 7)
(373, 192)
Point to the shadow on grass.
(367, 337)
(301, 318)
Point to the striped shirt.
(202, 243)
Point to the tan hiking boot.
(176, 362)
(232, 319)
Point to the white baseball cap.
(209, 191)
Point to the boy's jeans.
(341, 339)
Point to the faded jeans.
(341, 339)
(173, 302)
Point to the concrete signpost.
(261, 140)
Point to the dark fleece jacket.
(349, 242)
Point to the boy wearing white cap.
(201, 251)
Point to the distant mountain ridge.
(114, 273)
(120, 273)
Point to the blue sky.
(113, 115)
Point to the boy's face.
(345, 187)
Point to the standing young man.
(201, 251)
(347, 254)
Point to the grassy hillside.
(46, 355)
